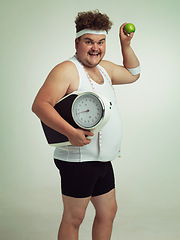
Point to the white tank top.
(107, 148)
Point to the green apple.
(129, 28)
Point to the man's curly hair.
(92, 20)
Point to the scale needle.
(83, 111)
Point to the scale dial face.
(87, 110)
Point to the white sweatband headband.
(134, 71)
(90, 31)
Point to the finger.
(131, 34)
(87, 142)
(122, 26)
(88, 133)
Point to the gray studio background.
(37, 35)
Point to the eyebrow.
(93, 40)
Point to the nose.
(95, 47)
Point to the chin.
(93, 63)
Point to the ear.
(76, 43)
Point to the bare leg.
(106, 208)
(73, 215)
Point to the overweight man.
(85, 166)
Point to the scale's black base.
(63, 107)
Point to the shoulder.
(62, 79)
(66, 69)
(64, 73)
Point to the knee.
(74, 220)
(107, 215)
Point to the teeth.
(94, 54)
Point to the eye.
(89, 42)
(101, 42)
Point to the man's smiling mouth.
(94, 54)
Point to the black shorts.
(85, 179)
